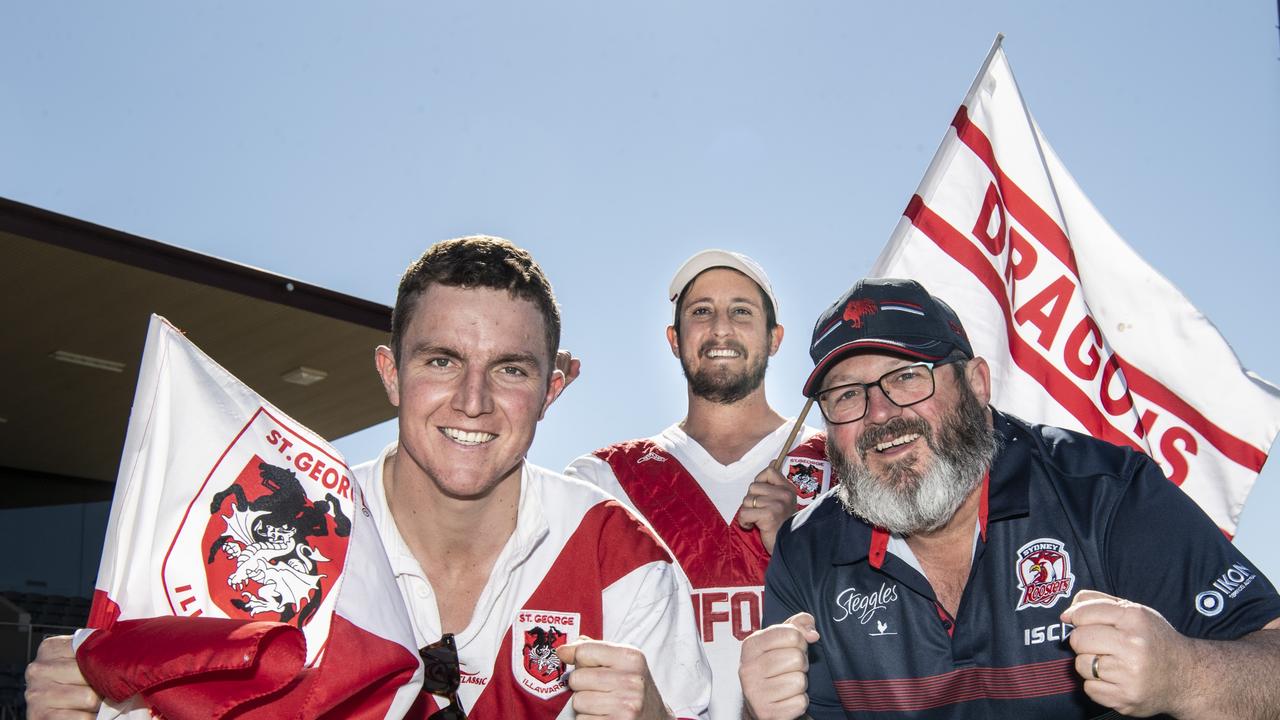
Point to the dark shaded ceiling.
(76, 287)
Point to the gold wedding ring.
(1094, 668)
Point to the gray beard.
(907, 500)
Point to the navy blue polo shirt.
(1062, 512)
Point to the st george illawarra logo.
(1044, 573)
(265, 540)
(270, 547)
(807, 476)
(534, 638)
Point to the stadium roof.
(76, 294)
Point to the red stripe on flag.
(104, 611)
(1046, 230)
(1232, 447)
(1054, 677)
(1017, 202)
(1063, 390)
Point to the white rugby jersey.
(576, 564)
(692, 500)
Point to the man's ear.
(775, 339)
(555, 386)
(979, 375)
(385, 361)
(673, 339)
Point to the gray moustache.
(890, 430)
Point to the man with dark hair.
(512, 573)
(476, 261)
(498, 552)
(972, 565)
(706, 483)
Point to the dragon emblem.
(540, 652)
(269, 538)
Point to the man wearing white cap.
(707, 483)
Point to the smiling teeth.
(722, 352)
(467, 437)
(900, 440)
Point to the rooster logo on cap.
(858, 309)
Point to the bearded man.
(706, 483)
(973, 565)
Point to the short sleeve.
(1163, 551)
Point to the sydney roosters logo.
(1044, 573)
(858, 309)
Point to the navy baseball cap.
(886, 315)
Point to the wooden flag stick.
(795, 430)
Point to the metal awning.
(73, 293)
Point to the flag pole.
(1035, 136)
(795, 430)
(996, 46)
(941, 158)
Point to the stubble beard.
(722, 385)
(905, 499)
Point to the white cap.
(707, 259)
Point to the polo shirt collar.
(1010, 480)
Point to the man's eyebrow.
(707, 298)
(428, 349)
(835, 381)
(517, 358)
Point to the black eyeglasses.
(442, 675)
(903, 386)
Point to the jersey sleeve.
(649, 609)
(597, 472)
(1162, 551)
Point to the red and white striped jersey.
(578, 563)
(691, 499)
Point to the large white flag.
(1080, 331)
(242, 572)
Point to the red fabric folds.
(190, 668)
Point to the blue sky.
(334, 142)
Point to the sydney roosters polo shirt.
(1062, 513)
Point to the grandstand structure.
(77, 298)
